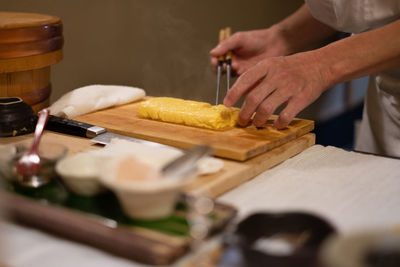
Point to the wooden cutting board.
(236, 143)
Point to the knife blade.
(96, 134)
(106, 138)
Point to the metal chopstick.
(228, 59)
(221, 60)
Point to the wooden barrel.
(29, 44)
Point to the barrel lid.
(29, 34)
(14, 20)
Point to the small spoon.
(28, 165)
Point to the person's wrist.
(323, 65)
(317, 68)
(281, 37)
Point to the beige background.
(159, 45)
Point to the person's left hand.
(296, 81)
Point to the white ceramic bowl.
(142, 193)
(80, 173)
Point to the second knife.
(97, 134)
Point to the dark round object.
(16, 117)
(305, 231)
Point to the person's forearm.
(362, 54)
(301, 29)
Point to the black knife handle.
(77, 128)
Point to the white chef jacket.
(380, 127)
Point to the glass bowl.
(49, 154)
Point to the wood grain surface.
(18, 20)
(27, 34)
(29, 44)
(236, 143)
(9, 65)
(236, 173)
(33, 86)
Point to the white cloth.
(353, 191)
(380, 127)
(355, 16)
(22, 246)
(94, 97)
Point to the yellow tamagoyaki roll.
(188, 112)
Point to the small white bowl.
(141, 191)
(80, 173)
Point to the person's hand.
(248, 48)
(295, 81)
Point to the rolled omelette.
(188, 112)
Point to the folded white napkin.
(94, 97)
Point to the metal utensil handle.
(186, 164)
(43, 117)
(72, 127)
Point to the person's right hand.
(293, 81)
(250, 47)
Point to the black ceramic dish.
(16, 117)
(306, 232)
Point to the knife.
(97, 134)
